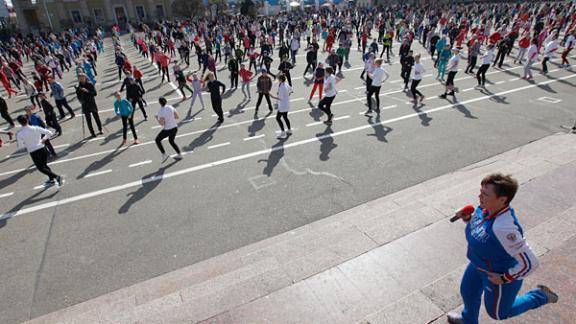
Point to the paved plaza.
(321, 227)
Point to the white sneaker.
(164, 157)
(282, 135)
(289, 132)
(178, 157)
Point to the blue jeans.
(501, 301)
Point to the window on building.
(140, 13)
(98, 15)
(76, 16)
(160, 11)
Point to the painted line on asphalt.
(381, 109)
(37, 187)
(93, 174)
(513, 79)
(8, 194)
(218, 145)
(140, 163)
(500, 82)
(61, 146)
(253, 137)
(144, 181)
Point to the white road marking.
(253, 137)
(513, 79)
(36, 188)
(469, 89)
(218, 145)
(343, 117)
(381, 109)
(500, 82)
(8, 194)
(93, 174)
(140, 163)
(141, 182)
(61, 146)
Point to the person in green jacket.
(443, 58)
(124, 109)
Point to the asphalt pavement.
(123, 217)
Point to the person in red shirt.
(364, 41)
(246, 76)
(164, 61)
(6, 84)
(523, 45)
(495, 38)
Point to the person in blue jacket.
(500, 257)
(124, 109)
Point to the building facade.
(35, 15)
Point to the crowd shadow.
(257, 124)
(276, 154)
(99, 164)
(204, 138)
(149, 183)
(495, 98)
(28, 201)
(380, 131)
(315, 113)
(462, 108)
(424, 118)
(239, 108)
(326, 143)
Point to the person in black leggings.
(213, 87)
(330, 92)
(166, 117)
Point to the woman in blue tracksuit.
(499, 257)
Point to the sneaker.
(282, 135)
(60, 181)
(10, 136)
(164, 157)
(136, 141)
(100, 133)
(178, 157)
(455, 318)
(442, 96)
(49, 182)
(551, 296)
(289, 132)
(422, 98)
(328, 122)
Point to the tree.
(187, 8)
(248, 8)
(218, 5)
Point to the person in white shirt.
(452, 70)
(568, 45)
(532, 57)
(418, 73)
(284, 91)
(486, 59)
(378, 76)
(166, 117)
(330, 93)
(549, 50)
(30, 137)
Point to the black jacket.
(133, 91)
(87, 98)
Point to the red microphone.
(467, 210)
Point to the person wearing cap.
(264, 85)
(452, 70)
(33, 139)
(57, 91)
(85, 92)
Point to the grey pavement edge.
(396, 259)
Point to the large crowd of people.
(265, 50)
